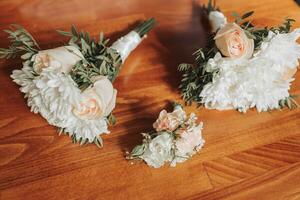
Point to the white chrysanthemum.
(24, 78)
(243, 84)
(281, 49)
(55, 95)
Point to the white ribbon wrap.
(217, 20)
(125, 45)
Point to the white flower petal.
(104, 89)
(111, 104)
(159, 150)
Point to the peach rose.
(232, 41)
(97, 101)
(63, 58)
(169, 121)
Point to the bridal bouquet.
(243, 66)
(176, 139)
(71, 86)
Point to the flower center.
(89, 109)
(237, 47)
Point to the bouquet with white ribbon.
(243, 66)
(176, 139)
(71, 86)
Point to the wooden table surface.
(246, 156)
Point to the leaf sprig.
(260, 34)
(289, 102)
(97, 140)
(22, 43)
(195, 76)
(143, 28)
(98, 58)
(211, 6)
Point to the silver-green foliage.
(98, 58)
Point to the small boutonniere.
(72, 86)
(242, 66)
(176, 139)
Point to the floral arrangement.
(176, 139)
(242, 66)
(71, 86)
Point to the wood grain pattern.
(246, 156)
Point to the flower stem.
(143, 28)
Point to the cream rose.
(63, 58)
(232, 41)
(158, 151)
(97, 101)
(169, 121)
